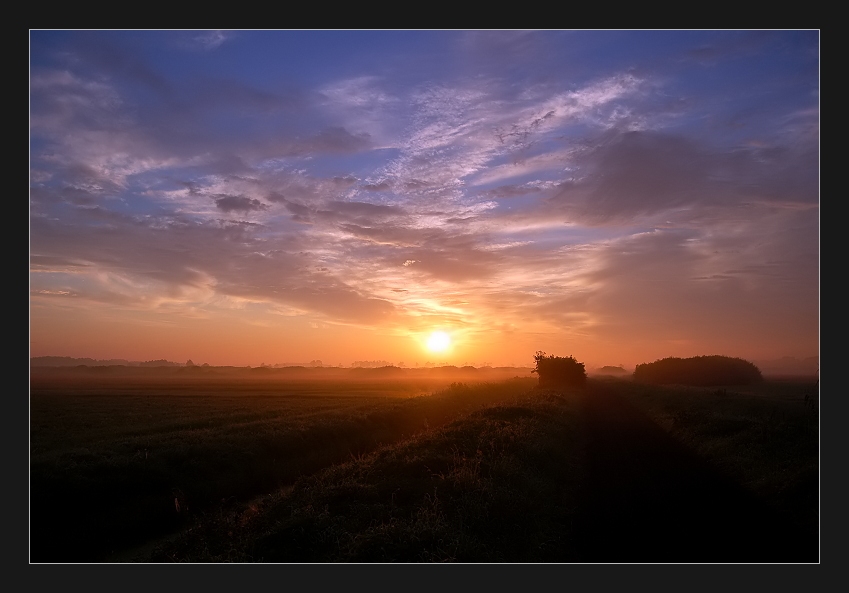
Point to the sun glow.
(438, 341)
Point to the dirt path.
(650, 499)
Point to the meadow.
(766, 436)
(119, 456)
(149, 466)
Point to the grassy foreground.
(508, 483)
(765, 437)
(499, 485)
(472, 473)
(110, 471)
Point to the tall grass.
(470, 473)
(499, 485)
(765, 436)
(105, 470)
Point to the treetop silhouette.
(699, 370)
(558, 371)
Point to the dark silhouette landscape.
(209, 464)
(417, 296)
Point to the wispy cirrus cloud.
(209, 40)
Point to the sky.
(263, 197)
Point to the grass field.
(110, 461)
(765, 436)
(355, 471)
(498, 485)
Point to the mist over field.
(786, 366)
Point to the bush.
(557, 371)
(699, 371)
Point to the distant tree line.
(612, 370)
(67, 361)
(370, 364)
(699, 371)
(159, 363)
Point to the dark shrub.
(699, 370)
(557, 371)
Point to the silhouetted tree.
(699, 370)
(558, 371)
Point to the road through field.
(647, 498)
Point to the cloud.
(627, 175)
(455, 266)
(138, 264)
(336, 139)
(514, 187)
(732, 44)
(509, 191)
(60, 98)
(211, 39)
(331, 140)
(239, 204)
(636, 172)
(356, 210)
(382, 186)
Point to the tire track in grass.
(647, 498)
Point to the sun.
(438, 341)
